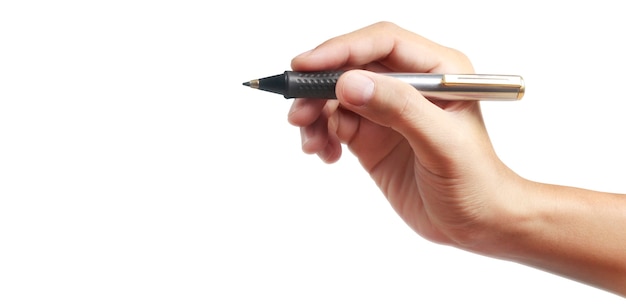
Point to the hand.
(433, 160)
(436, 165)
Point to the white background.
(137, 171)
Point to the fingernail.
(305, 135)
(358, 89)
(294, 108)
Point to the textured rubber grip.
(313, 85)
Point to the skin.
(436, 165)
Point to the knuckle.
(385, 26)
(460, 59)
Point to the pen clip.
(507, 81)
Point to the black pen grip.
(312, 85)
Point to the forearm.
(572, 232)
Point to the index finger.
(383, 44)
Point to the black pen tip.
(247, 83)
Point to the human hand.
(432, 160)
(436, 165)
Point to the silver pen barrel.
(466, 86)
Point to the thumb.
(392, 103)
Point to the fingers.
(395, 104)
(393, 48)
(317, 133)
(382, 100)
(304, 111)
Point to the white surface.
(136, 171)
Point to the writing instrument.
(292, 84)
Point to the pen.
(292, 84)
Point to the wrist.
(568, 231)
(510, 218)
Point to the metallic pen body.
(433, 86)
(466, 86)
